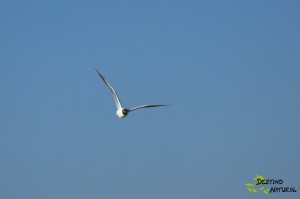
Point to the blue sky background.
(232, 67)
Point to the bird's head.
(125, 111)
(121, 113)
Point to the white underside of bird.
(123, 112)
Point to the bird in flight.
(123, 112)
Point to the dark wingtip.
(95, 67)
(167, 104)
(98, 72)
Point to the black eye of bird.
(124, 111)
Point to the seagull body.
(122, 112)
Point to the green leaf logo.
(259, 177)
(249, 185)
(254, 188)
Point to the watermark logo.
(268, 185)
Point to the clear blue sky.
(232, 67)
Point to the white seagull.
(123, 112)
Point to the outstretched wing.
(114, 93)
(146, 106)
